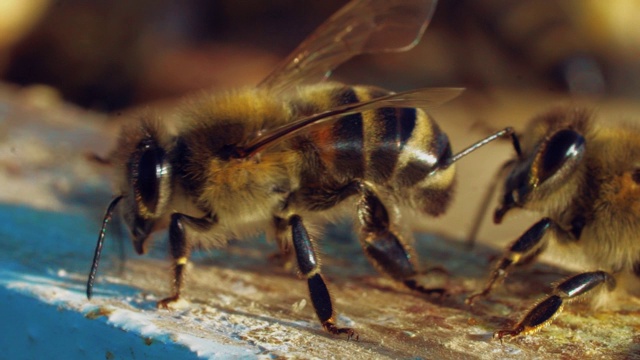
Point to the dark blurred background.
(111, 55)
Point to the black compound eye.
(563, 150)
(150, 172)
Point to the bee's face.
(550, 165)
(147, 189)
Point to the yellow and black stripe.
(396, 146)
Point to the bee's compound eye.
(561, 153)
(150, 173)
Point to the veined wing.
(361, 26)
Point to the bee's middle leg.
(282, 237)
(524, 250)
(384, 247)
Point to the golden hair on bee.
(293, 153)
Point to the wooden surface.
(243, 305)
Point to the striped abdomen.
(399, 147)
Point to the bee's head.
(142, 160)
(548, 167)
(147, 185)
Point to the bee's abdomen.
(347, 138)
(399, 145)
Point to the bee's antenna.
(502, 133)
(96, 255)
(484, 205)
(488, 195)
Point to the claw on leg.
(166, 302)
(330, 327)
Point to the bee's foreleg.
(180, 248)
(310, 268)
(545, 311)
(524, 250)
(384, 248)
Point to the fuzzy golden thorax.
(238, 190)
(614, 178)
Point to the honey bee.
(583, 177)
(291, 152)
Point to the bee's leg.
(524, 250)
(281, 230)
(310, 268)
(385, 248)
(546, 310)
(180, 248)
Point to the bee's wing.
(419, 98)
(361, 26)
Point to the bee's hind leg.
(384, 247)
(546, 310)
(310, 268)
(180, 249)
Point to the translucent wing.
(419, 98)
(361, 26)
